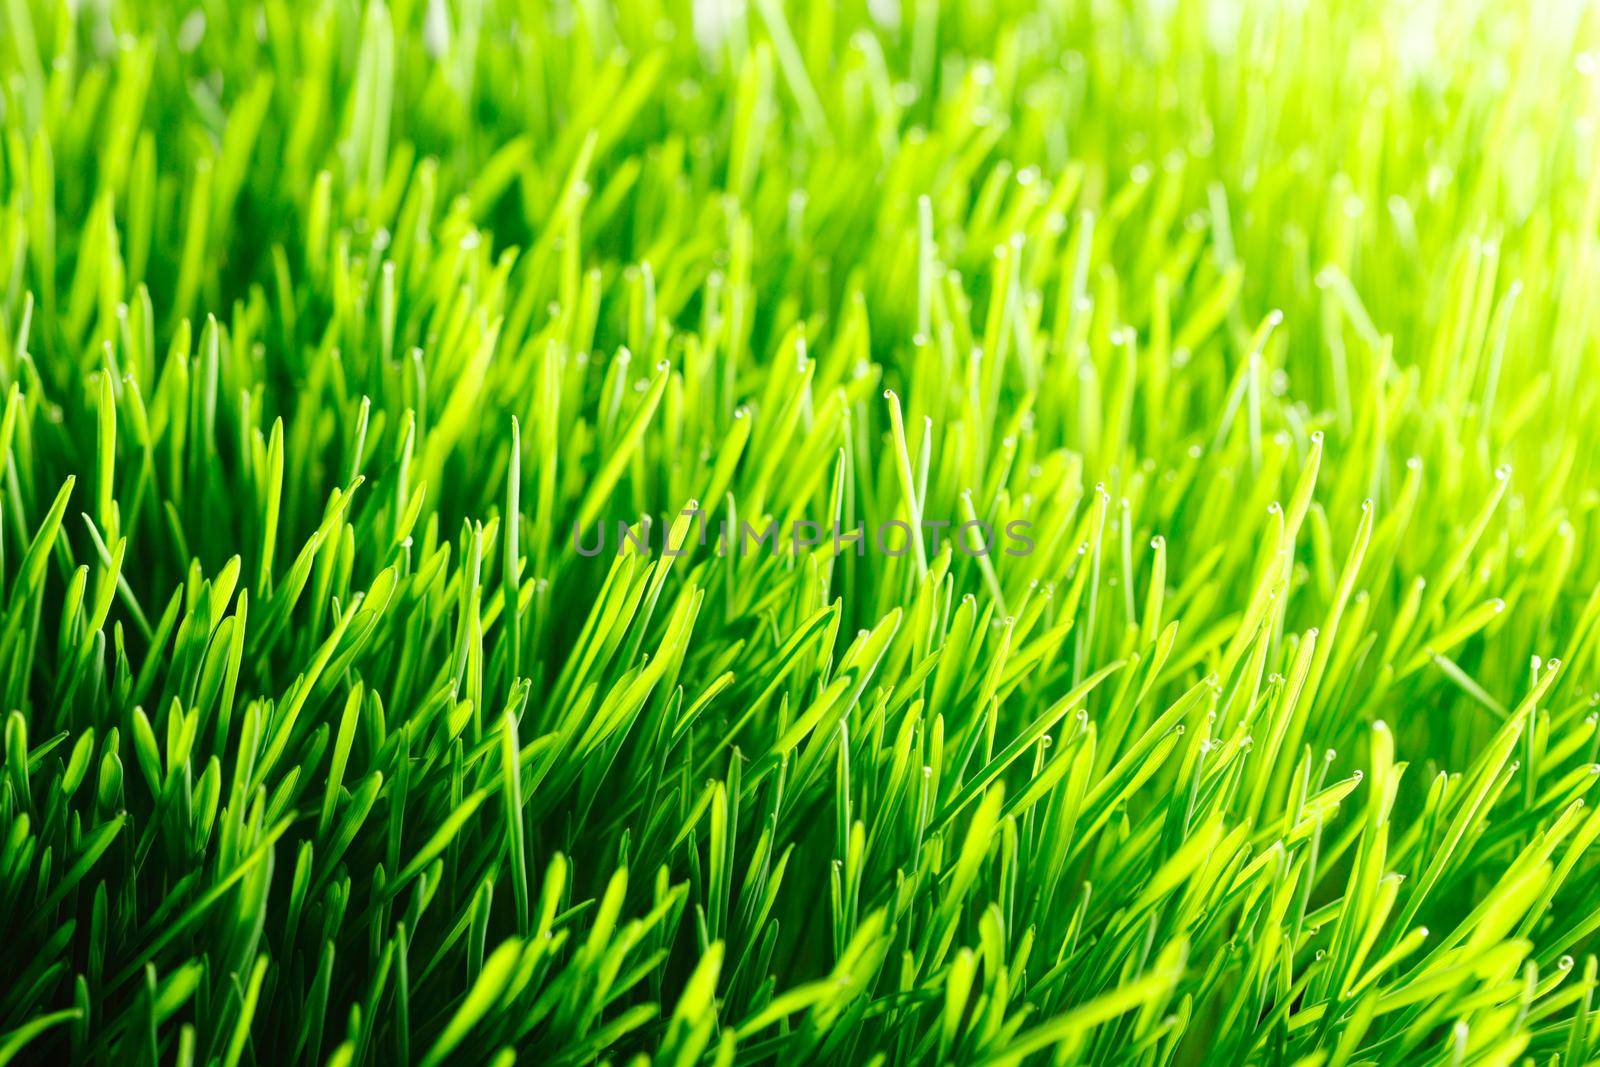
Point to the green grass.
(323, 324)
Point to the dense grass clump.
(1168, 626)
